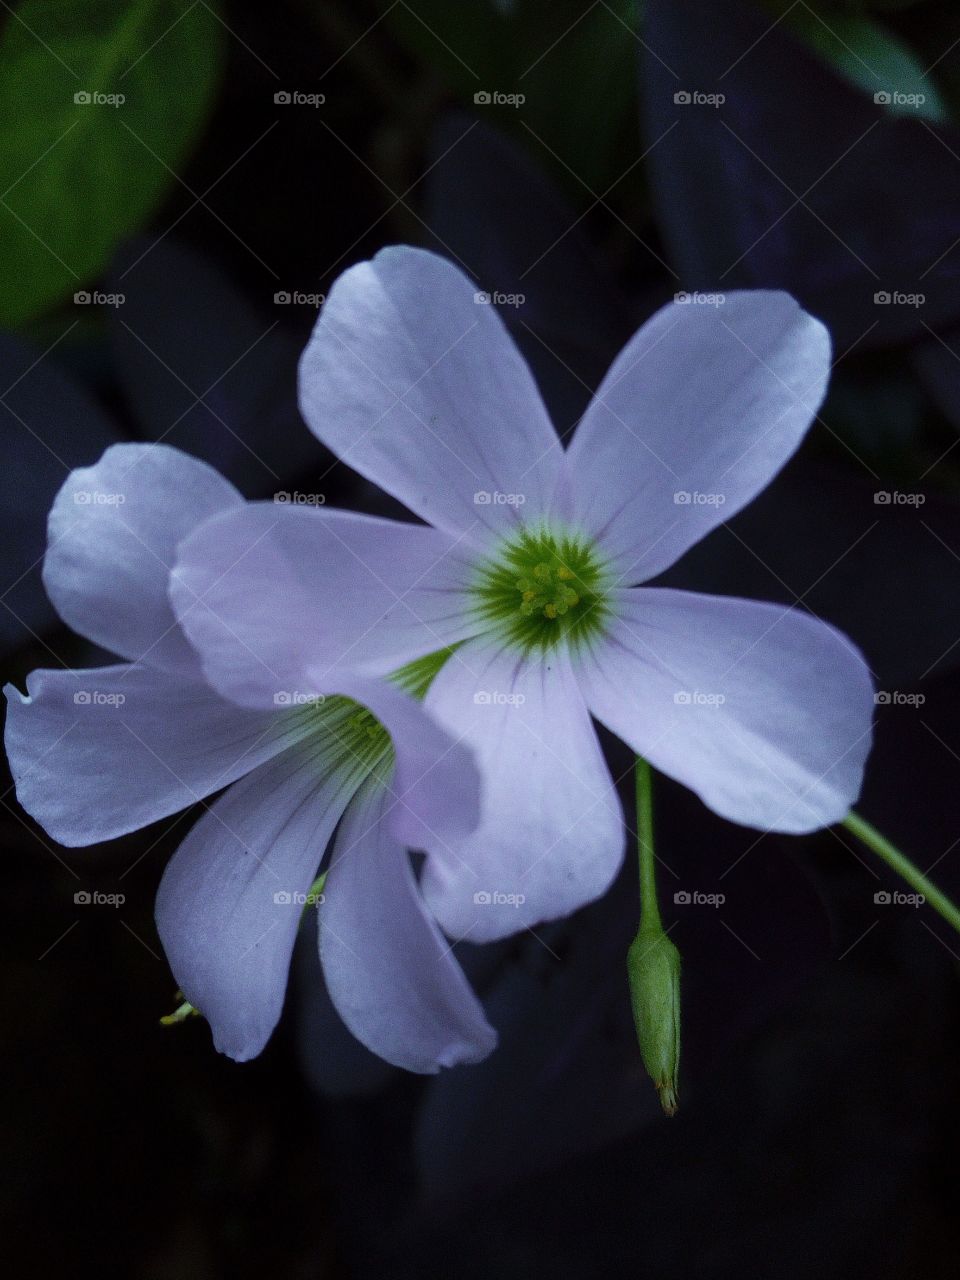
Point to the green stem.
(902, 865)
(649, 908)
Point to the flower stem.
(902, 865)
(649, 907)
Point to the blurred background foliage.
(818, 1076)
(79, 177)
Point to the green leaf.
(579, 75)
(469, 46)
(78, 173)
(572, 66)
(869, 56)
(857, 6)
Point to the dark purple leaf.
(797, 180)
(50, 424)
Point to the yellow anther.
(564, 574)
(550, 610)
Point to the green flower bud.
(653, 967)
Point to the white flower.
(531, 572)
(101, 752)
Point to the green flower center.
(361, 742)
(542, 587)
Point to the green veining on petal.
(417, 676)
(542, 587)
(346, 731)
(314, 896)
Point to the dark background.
(818, 1122)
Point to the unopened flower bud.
(653, 967)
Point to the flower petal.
(421, 389)
(389, 970)
(231, 898)
(268, 592)
(697, 414)
(764, 712)
(551, 836)
(112, 536)
(101, 752)
(434, 787)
